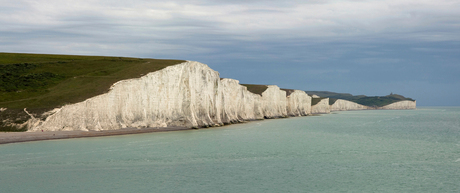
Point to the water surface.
(354, 151)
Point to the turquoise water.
(355, 151)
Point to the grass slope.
(315, 101)
(255, 88)
(372, 101)
(380, 101)
(40, 82)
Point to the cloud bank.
(330, 41)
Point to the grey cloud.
(305, 49)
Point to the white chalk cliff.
(344, 105)
(322, 107)
(274, 102)
(298, 103)
(238, 104)
(401, 105)
(186, 95)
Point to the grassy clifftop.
(372, 101)
(256, 88)
(380, 101)
(47, 81)
(315, 101)
(40, 82)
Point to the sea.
(353, 151)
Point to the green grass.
(315, 101)
(332, 101)
(16, 116)
(255, 88)
(40, 82)
(371, 101)
(17, 78)
(48, 81)
(377, 101)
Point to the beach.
(16, 137)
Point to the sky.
(369, 47)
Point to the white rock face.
(274, 102)
(321, 107)
(238, 104)
(298, 104)
(185, 95)
(401, 105)
(188, 95)
(344, 105)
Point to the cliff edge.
(407, 104)
(322, 107)
(344, 105)
(185, 95)
(189, 94)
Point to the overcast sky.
(370, 47)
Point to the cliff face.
(344, 105)
(401, 105)
(322, 107)
(238, 104)
(185, 95)
(298, 104)
(274, 102)
(188, 95)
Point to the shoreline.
(18, 137)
